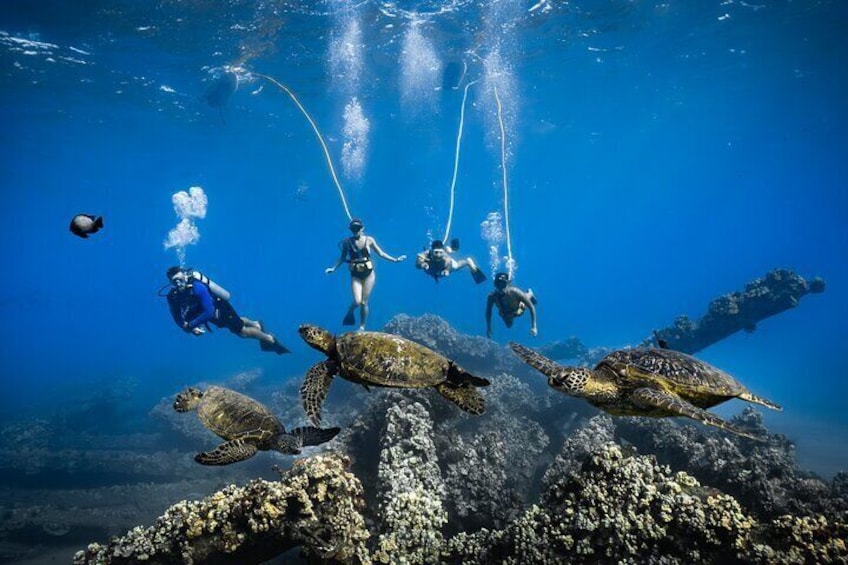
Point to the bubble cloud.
(355, 148)
(188, 206)
(492, 232)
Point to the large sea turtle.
(648, 382)
(385, 360)
(247, 425)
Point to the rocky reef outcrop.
(620, 507)
(314, 506)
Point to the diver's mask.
(180, 280)
(356, 226)
(501, 281)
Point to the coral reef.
(411, 489)
(763, 477)
(315, 505)
(539, 478)
(608, 506)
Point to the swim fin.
(532, 296)
(349, 319)
(279, 348)
(276, 346)
(478, 275)
(454, 244)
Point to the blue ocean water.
(657, 155)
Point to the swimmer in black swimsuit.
(356, 252)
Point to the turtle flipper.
(675, 406)
(228, 452)
(463, 395)
(307, 435)
(457, 375)
(761, 401)
(314, 390)
(536, 360)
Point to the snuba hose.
(510, 263)
(317, 134)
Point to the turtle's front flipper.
(314, 390)
(458, 375)
(228, 452)
(463, 395)
(760, 400)
(675, 406)
(535, 360)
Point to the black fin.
(454, 244)
(349, 319)
(98, 222)
(478, 275)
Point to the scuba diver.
(437, 261)
(356, 252)
(196, 301)
(511, 302)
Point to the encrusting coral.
(315, 505)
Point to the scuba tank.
(214, 287)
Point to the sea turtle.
(648, 382)
(385, 360)
(247, 425)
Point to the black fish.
(85, 224)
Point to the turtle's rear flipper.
(314, 390)
(673, 405)
(457, 376)
(308, 435)
(228, 452)
(463, 395)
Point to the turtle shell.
(671, 370)
(389, 360)
(230, 415)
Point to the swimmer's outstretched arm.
(373, 243)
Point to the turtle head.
(317, 338)
(187, 399)
(570, 380)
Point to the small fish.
(85, 224)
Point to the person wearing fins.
(511, 302)
(438, 262)
(356, 252)
(196, 301)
